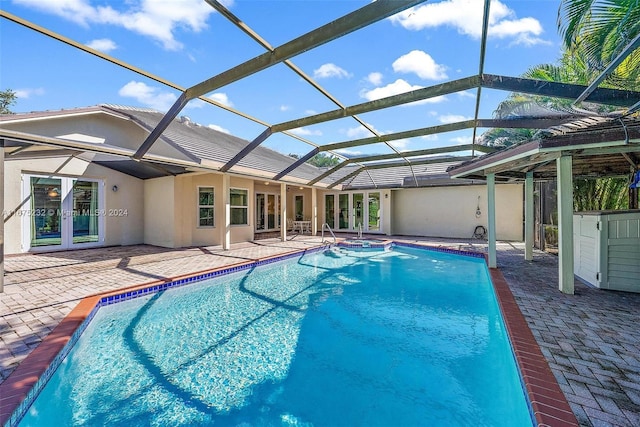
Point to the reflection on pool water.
(399, 337)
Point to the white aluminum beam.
(565, 224)
(491, 220)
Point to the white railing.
(330, 231)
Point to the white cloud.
(462, 140)
(453, 118)
(433, 137)
(359, 132)
(375, 78)
(330, 70)
(222, 98)
(362, 132)
(284, 108)
(310, 112)
(466, 17)
(420, 63)
(103, 45)
(148, 95)
(305, 132)
(219, 128)
(395, 88)
(466, 94)
(26, 93)
(151, 18)
(399, 144)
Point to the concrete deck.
(591, 339)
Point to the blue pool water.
(405, 337)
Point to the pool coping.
(547, 402)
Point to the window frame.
(200, 206)
(245, 207)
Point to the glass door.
(267, 212)
(358, 211)
(373, 208)
(45, 212)
(271, 211)
(343, 209)
(63, 213)
(260, 211)
(298, 207)
(86, 212)
(329, 210)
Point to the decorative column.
(565, 224)
(528, 217)
(491, 211)
(283, 212)
(2, 210)
(226, 213)
(314, 211)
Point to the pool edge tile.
(23, 379)
(548, 403)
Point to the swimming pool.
(309, 341)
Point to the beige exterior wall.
(171, 211)
(451, 211)
(160, 212)
(97, 128)
(119, 229)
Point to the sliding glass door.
(62, 212)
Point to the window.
(205, 207)
(239, 201)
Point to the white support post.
(283, 212)
(314, 211)
(226, 213)
(528, 217)
(491, 211)
(565, 224)
(2, 210)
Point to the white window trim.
(231, 207)
(213, 206)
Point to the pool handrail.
(330, 231)
(359, 230)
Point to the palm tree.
(601, 29)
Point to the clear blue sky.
(186, 41)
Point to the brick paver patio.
(591, 339)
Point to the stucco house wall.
(171, 211)
(125, 228)
(451, 211)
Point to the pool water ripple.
(405, 336)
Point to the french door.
(62, 212)
(267, 212)
(353, 211)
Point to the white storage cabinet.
(606, 248)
